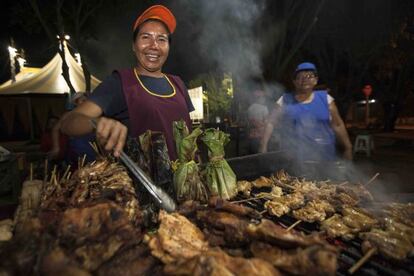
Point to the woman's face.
(151, 48)
(305, 80)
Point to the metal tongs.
(161, 197)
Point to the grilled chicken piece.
(262, 182)
(313, 260)
(335, 227)
(217, 262)
(231, 227)
(244, 187)
(177, 238)
(92, 222)
(358, 219)
(282, 205)
(269, 232)
(134, 261)
(389, 244)
(315, 210)
(237, 209)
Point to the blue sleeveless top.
(306, 128)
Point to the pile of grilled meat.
(83, 224)
(92, 224)
(345, 211)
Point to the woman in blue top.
(308, 121)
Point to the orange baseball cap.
(158, 12)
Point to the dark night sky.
(207, 37)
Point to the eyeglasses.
(305, 76)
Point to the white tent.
(39, 91)
(49, 79)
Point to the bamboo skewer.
(53, 174)
(248, 199)
(262, 212)
(45, 173)
(69, 175)
(372, 179)
(293, 225)
(95, 148)
(66, 172)
(31, 171)
(363, 260)
(83, 160)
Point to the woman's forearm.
(76, 124)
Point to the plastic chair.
(364, 143)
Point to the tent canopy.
(48, 79)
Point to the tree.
(219, 93)
(285, 29)
(394, 71)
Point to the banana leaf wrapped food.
(149, 151)
(187, 181)
(220, 178)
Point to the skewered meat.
(237, 209)
(217, 262)
(275, 192)
(335, 227)
(315, 210)
(103, 179)
(269, 232)
(358, 219)
(356, 191)
(403, 213)
(276, 208)
(389, 244)
(189, 208)
(177, 238)
(340, 199)
(244, 187)
(231, 227)
(313, 260)
(325, 192)
(394, 226)
(262, 182)
(283, 205)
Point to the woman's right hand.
(111, 134)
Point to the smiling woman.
(131, 101)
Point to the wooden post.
(366, 111)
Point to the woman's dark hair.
(135, 33)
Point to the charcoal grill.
(252, 166)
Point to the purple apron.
(150, 112)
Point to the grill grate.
(350, 250)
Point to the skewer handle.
(293, 225)
(372, 179)
(363, 260)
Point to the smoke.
(225, 38)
